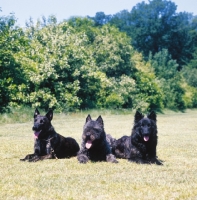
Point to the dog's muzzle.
(146, 137)
(36, 132)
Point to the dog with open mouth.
(47, 143)
(141, 146)
(94, 145)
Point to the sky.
(64, 9)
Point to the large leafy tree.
(57, 65)
(170, 80)
(116, 58)
(156, 25)
(101, 18)
(11, 74)
(112, 52)
(77, 65)
(190, 74)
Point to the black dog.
(94, 146)
(47, 143)
(140, 147)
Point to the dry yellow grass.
(67, 179)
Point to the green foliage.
(69, 69)
(112, 52)
(190, 71)
(77, 65)
(55, 66)
(11, 74)
(170, 80)
(62, 67)
(119, 93)
(156, 25)
(148, 93)
(190, 75)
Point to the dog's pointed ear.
(138, 116)
(88, 118)
(49, 115)
(152, 115)
(100, 121)
(36, 113)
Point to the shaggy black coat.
(47, 143)
(94, 145)
(141, 146)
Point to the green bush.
(76, 65)
(170, 80)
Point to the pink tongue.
(146, 138)
(88, 144)
(36, 134)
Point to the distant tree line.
(142, 59)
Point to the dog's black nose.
(35, 128)
(88, 136)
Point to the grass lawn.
(67, 179)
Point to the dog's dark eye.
(96, 130)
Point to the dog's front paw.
(27, 157)
(156, 161)
(82, 158)
(111, 158)
(35, 159)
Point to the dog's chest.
(96, 154)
